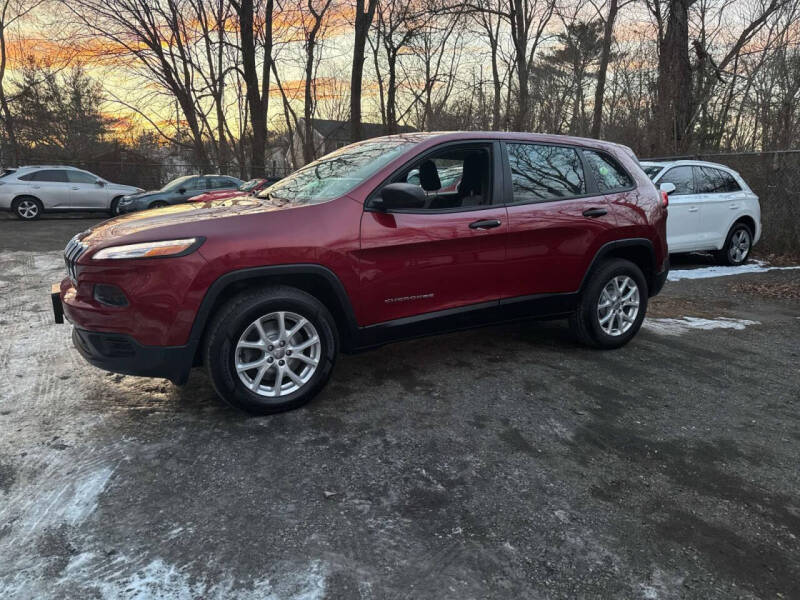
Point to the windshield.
(249, 185)
(652, 170)
(176, 183)
(337, 173)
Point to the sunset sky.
(49, 35)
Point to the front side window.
(709, 180)
(609, 176)
(541, 172)
(681, 178)
(337, 173)
(80, 177)
(455, 177)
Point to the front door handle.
(595, 212)
(485, 224)
(693, 209)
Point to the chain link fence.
(775, 178)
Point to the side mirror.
(402, 195)
(667, 187)
(100, 182)
(181, 190)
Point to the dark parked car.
(250, 187)
(178, 191)
(346, 254)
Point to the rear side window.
(608, 175)
(52, 175)
(681, 178)
(709, 180)
(80, 177)
(541, 172)
(219, 183)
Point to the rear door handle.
(693, 209)
(484, 224)
(595, 212)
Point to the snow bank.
(681, 326)
(707, 272)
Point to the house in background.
(276, 161)
(331, 135)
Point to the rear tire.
(612, 305)
(246, 332)
(737, 246)
(27, 208)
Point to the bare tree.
(365, 13)
(11, 11)
(255, 37)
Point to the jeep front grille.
(71, 254)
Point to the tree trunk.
(605, 58)
(391, 96)
(674, 109)
(12, 157)
(363, 22)
(258, 116)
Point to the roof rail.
(48, 167)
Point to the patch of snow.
(681, 326)
(159, 579)
(755, 266)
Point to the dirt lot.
(501, 463)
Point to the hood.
(125, 188)
(182, 220)
(143, 194)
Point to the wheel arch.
(639, 251)
(31, 196)
(748, 221)
(313, 279)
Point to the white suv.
(30, 191)
(711, 208)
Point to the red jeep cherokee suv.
(365, 246)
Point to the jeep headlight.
(150, 249)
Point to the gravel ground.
(498, 463)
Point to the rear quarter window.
(609, 176)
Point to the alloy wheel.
(618, 305)
(740, 246)
(277, 354)
(28, 209)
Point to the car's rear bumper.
(659, 279)
(122, 354)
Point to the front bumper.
(122, 354)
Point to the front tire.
(27, 208)
(612, 305)
(737, 246)
(114, 208)
(271, 349)
(158, 204)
